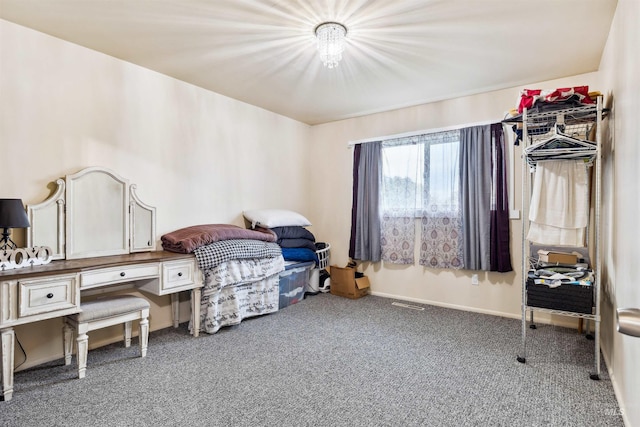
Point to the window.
(453, 182)
(420, 179)
(421, 174)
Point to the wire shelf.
(564, 313)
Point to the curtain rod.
(419, 132)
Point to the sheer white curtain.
(441, 225)
(402, 175)
(421, 180)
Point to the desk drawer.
(47, 295)
(103, 277)
(176, 274)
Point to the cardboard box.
(554, 257)
(346, 282)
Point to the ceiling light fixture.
(330, 36)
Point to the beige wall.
(619, 71)
(497, 293)
(64, 107)
(195, 155)
(501, 293)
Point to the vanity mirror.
(94, 212)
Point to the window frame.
(423, 200)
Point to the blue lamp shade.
(12, 214)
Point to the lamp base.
(6, 243)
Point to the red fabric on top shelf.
(529, 97)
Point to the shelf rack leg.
(596, 376)
(598, 249)
(531, 324)
(523, 357)
(588, 334)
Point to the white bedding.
(237, 289)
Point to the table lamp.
(12, 215)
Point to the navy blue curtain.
(500, 258)
(354, 198)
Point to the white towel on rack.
(559, 209)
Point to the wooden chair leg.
(143, 334)
(83, 349)
(103, 313)
(127, 334)
(67, 332)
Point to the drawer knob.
(180, 274)
(49, 295)
(122, 274)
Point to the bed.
(242, 272)
(244, 285)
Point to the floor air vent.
(412, 307)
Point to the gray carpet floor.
(329, 361)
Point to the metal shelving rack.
(578, 121)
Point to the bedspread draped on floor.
(238, 289)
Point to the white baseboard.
(541, 318)
(616, 390)
(446, 305)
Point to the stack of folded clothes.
(297, 243)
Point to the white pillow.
(270, 218)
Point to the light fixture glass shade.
(330, 37)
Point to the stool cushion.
(112, 306)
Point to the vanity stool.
(99, 314)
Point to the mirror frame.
(37, 236)
(66, 215)
(81, 213)
(138, 208)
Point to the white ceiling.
(399, 53)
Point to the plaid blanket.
(215, 253)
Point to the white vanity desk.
(101, 235)
(37, 293)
